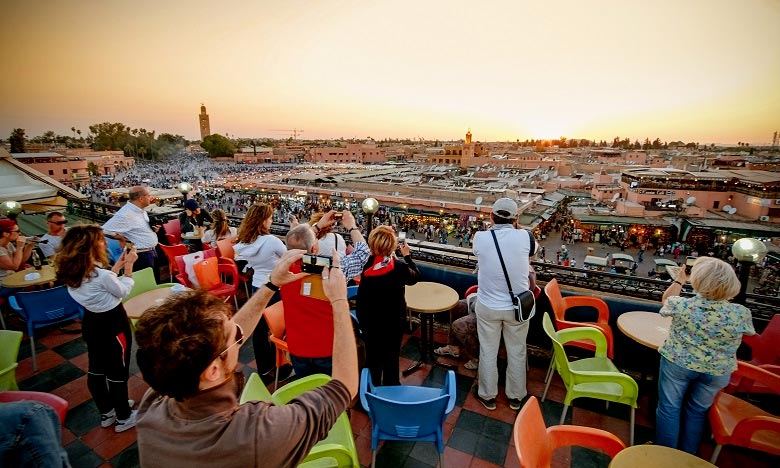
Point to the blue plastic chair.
(43, 308)
(406, 412)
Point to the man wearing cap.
(193, 219)
(131, 224)
(495, 309)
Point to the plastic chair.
(225, 250)
(406, 412)
(560, 305)
(763, 347)
(144, 281)
(736, 422)
(255, 390)
(274, 316)
(60, 406)
(340, 442)
(535, 443)
(595, 377)
(10, 341)
(182, 276)
(173, 227)
(171, 252)
(43, 308)
(471, 290)
(114, 249)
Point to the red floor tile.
(75, 392)
(456, 458)
(81, 361)
(97, 436)
(480, 463)
(67, 436)
(56, 338)
(116, 443)
(46, 360)
(511, 460)
(363, 445)
(360, 421)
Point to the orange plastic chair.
(535, 443)
(225, 250)
(60, 406)
(228, 271)
(764, 347)
(171, 252)
(274, 316)
(736, 422)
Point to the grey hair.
(301, 237)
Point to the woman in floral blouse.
(699, 355)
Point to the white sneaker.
(125, 424)
(107, 419)
(131, 403)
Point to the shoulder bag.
(524, 302)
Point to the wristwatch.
(271, 286)
(353, 228)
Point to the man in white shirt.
(56, 222)
(131, 224)
(495, 309)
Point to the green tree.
(92, 168)
(218, 146)
(17, 141)
(110, 136)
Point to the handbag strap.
(503, 267)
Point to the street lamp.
(184, 188)
(748, 251)
(10, 209)
(370, 207)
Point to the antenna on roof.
(478, 201)
(726, 208)
(690, 201)
(732, 211)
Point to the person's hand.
(348, 221)
(326, 221)
(188, 211)
(21, 240)
(156, 227)
(404, 248)
(681, 276)
(281, 273)
(130, 257)
(293, 221)
(334, 284)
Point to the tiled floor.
(475, 437)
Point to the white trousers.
(491, 325)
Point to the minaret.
(467, 155)
(468, 137)
(205, 128)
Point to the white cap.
(505, 208)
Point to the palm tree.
(73, 129)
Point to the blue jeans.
(678, 386)
(30, 435)
(307, 366)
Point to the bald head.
(137, 192)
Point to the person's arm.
(675, 287)
(249, 314)
(349, 223)
(352, 264)
(411, 274)
(345, 365)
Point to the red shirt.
(308, 321)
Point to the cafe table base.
(426, 346)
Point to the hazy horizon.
(701, 71)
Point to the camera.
(311, 263)
(128, 246)
(689, 261)
(338, 216)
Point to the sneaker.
(489, 404)
(107, 419)
(130, 403)
(447, 351)
(124, 424)
(515, 403)
(473, 364)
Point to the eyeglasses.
(239, 340)
(17, 231)
(58, 223)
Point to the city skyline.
(696, 71)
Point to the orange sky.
(691, 70)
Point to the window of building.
(64, 171)
(715, 205)
(51, 172)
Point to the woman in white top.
(261, 250)
(219, 230)
(105, 326)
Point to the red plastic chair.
(60, 406)
(471, 290)
(274, 316)
(225, 250)
(764, 347)
(736, 422)
(535, 443)
(171, 252)
(173, 227)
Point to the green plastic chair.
(595, 377)
(255, 390)
(340, 443)
(10, 341)
(144, 281)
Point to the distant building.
(203, 118)
(351, 153)
(72, 166)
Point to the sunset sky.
(692, 70)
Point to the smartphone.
(128, 246)
(338, 216)
(402, 237)
(311, 263)
(689, 261)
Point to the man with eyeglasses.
(131, 223)
(14, 251)
(188, 351)
(56, 222)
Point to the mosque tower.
(467, 153)
(205, 128)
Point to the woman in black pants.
(81, 265)
(381, 305)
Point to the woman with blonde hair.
(699, 355)
(380, 303)
(220, 229)
(261, 250)
(81, 266)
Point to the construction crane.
(292, 132)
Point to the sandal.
(473, 364)
(446, 351)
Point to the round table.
(136, 306)
(192, 237)
(16, 280)
(646, 328)
(654, 456)
(428, 298)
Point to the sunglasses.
(239, 340)
(58, 223)
(17, 231)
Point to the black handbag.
(524, 302)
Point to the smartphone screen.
(402, 237)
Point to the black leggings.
(109, 340)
